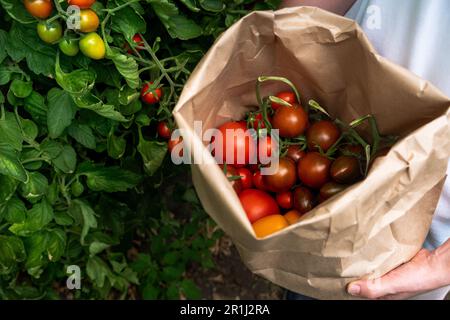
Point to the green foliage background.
(84, 178)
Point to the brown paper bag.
(375, 225)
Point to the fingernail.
(354, 289)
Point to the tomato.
(246, 177)
(164, 130)
(173, 143)
(92, 46)
(89, 21)
(345, 169)
(323, 134)
(41, 9)
(269, 225)
(257, 120)
(284, 178)
(292, 216)
(352, 150)
(290, 121)
(139, 42)
(83, 4)
(258, 204)
(49, 32)
(69, 47)
(258, 181)
(313, 170)
(295, 153)
(329, 190)
(285, 200)
(232, 175)
(240, 145)
(266, 147)
(149, 97)
(303, 199)
(286, 96)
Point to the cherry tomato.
(173, 143)
(269, 225)
(89, 21)
(41, 9)
(323, 134)
(139, 42)
(345, 169)
(286, 96)
(295, 153)
(92, 46)
(285, 200)
(329, 190)
(238, 142)
(164, 130)
(83, 4)
(148, 96)
(258, 204)
(292, 216)
(290, 121)
(69, 47)
(313, 170)
(246, 177)
(232, 175)
(352, 150)
(284, 178)
(49, 32)
(266, 147)
(258, 181)
(303, 200)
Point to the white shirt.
(414, 34)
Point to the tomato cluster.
(318, 158)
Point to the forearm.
(337, 6)
(441, 260)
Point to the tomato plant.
(150, 95)
(41, 9)
(257, 204)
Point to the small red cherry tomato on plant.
(233, 177)
(164, 130)
(258, 181)
(41, 9)
(83, 4)
(139, 42)
(246, 178)
(151, 97)
(287, 96)
(89, 21)
(173, 143)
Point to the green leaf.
(128, 21)
(212, 5)
(82, 134)
(56, 244)
(12, 251)
(153, 153)
(20, 88)
(88, 214)
(24, 44)
(15, 211)
(190, 289)
(108, 179)
(35, 187)
(66, 161)
(61, 111)
(3, 40)
(37, 218)
(10, 164)
(191, 5)
(77, 83)
(116, 146)
(97, 271)
(7, 190)
(36, 107)
(127, 66)
(63, 219)
(36, 247)
(93, 103)
(97, 247)
(10, 132)
(51, 149)
(30, 129)
(176, 24)
(16, 10)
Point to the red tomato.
(137, 39)
(258, 204)
(284, 178)
(292, 216)
(303, 199)
(39, 8)
(345, 170)
(258, 181)
(286, 96)
(323, 134)
(148, 96)
(266, 146)
(313, 170)
(268, 225)
(164, 130)
(231, 175)
(290, 121)
(284, 200)
(238, 142)
(295, 153)
(83, 4)
(174, 142)
(246, 178)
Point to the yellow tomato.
(268, 225)
(292, 216)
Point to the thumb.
(371, 289)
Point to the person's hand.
(425, 272)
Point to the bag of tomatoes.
(345, 199)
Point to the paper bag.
(373, 226)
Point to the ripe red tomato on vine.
(41, 9)
(148, 96)
(83, 4)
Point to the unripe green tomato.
(92, 46)
(77, 188)
(69, 47)
(49, 32)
